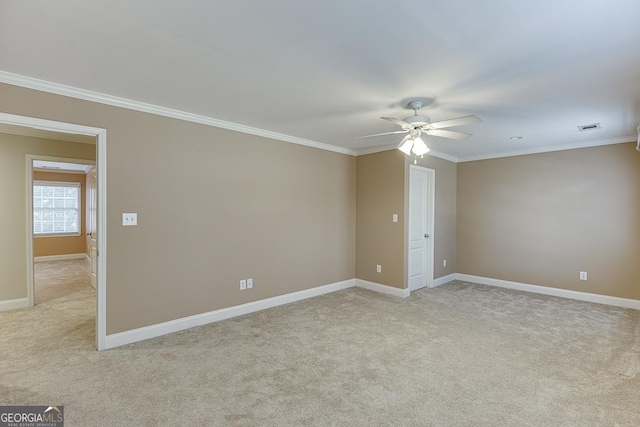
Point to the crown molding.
(101, 98)
(537, 150)
(443, 156)
(376, 149)
(87, 95)
(379, 149)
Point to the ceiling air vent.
(589, 127)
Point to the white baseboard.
(13, 304)
(556, 292)
(444, 279)
(152, 331)
(384, 289)
(59, 257)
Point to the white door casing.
(101, 227)
(421, 224)
(92, 222)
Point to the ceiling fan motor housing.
(418, 120)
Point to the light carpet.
(55, 279)
(461, 354)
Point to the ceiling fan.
(416, 125)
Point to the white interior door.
(92, 229)
(420, 263)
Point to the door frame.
(101, 161)
(431, 209)
(91, 216)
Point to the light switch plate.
(394, 217)
(129, 219)
(243, 284)
(249, 283)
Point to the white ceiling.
(327, 70)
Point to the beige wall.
(382, 180)
(214, 206)
(542, 218)
(380, 194)
(47, 246)
(13, 215)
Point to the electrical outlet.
(249, 283)
(129, 219)
(378, 268)
(583, 275)
(243, 285)
(444, 263)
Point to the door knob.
(426, 236)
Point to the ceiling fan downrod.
(416, 105)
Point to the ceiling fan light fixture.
(405, 146)
(419, 147)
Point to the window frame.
(72, 184)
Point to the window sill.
(37, 236)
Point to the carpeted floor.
(55, 279)
(460, 354)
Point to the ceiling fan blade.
(380, 134)
(396, 121)
(466, 120)
(448, 133)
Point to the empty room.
(332, 213)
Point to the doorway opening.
(63, 210)
(29, 126)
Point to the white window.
(56, 208)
